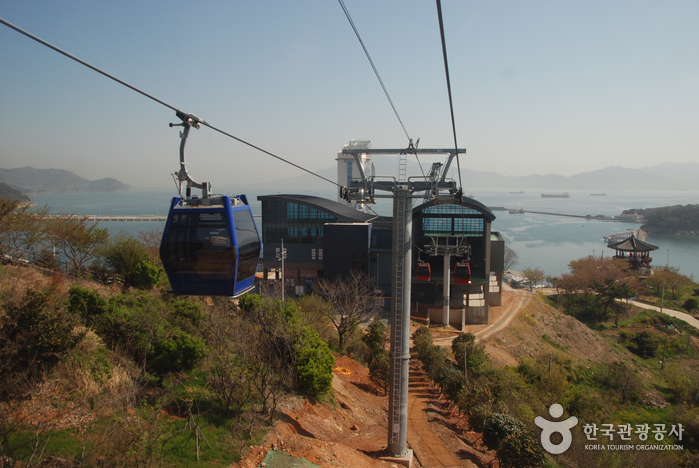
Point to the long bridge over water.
(127, 218)
(600, 217)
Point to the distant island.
(676, 219)
(28, 180)
(12, 194)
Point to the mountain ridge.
(29, 180)
(665, 176)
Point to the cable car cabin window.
(199, 242)
(248, 244)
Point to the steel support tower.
(402, 191)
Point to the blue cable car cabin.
(210, 246)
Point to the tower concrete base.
(406, 460)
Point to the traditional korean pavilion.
(633, 249)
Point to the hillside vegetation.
(676, 219)
(9, 193)
(608, 364)
(100, 366)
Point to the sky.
(538, 86)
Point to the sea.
(541, 241)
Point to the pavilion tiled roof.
(632, 244)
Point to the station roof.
(347, 214)
(344, 213)
(465, 201)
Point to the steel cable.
(112, 77)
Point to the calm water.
(542, 241)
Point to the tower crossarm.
(364, 188)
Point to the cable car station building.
(328, 239)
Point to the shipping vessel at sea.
(555, 195)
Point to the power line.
(112, 77)
(451, 104)
(376, 72)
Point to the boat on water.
(516, 211)
(521, 192)
(555, 195)
(598, 194)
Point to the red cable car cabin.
(462, 273)
(423, 271)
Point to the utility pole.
(550, 362)
(364, 189)
(281, 255)
(662, 299)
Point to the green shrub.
(376, 338)
(453, 384)
(478, 415)
(315, 365)
(475, 393)
(86, 303)
(646, 344)
(35, 335)
(187, 315)
(250, 302)
(123, 254)
(422, 339)
(178, 352)
(498, 426)
(146, 275)
(380, 370)
(691, 304)
(465, 345)
(690, 421)
(521, 450)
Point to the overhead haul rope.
(451, 104)
(385, 91)
(112, 77)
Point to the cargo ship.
(555, 195)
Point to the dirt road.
(517, 301)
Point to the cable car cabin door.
(210, 250)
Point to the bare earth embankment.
(353, 433)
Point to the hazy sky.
(538, 86)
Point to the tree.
(521, 450)
(77, 238)
(465, 345)
(22, 232)
(151, 240)
(498, 426)
(350, 301)
(609, 290)
(376, 340)
(511, 258)
(533, 276)
(621, 377)
(672, 280)
(123, 254)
